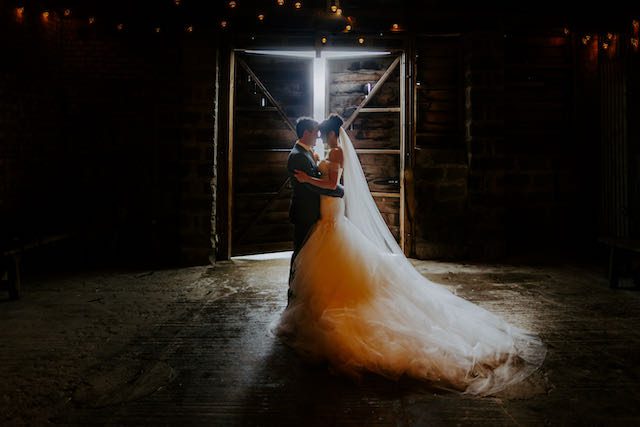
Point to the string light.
(323, 40)
(566, 31)
(634, 42)
(67, 12)
(636, 25)
(586, 39)
(339, 12)
(609, 36)
(261, 17)
(605, 45)
(20, 10)
(232, 4)
(224, 24)
(297, 5)
(280, 2)
(189, 29)
(334, 7)
(395, 27)
(361, 40)
(92, 20)
(45, 15)
(157, 30)
(120, 27)
(177, 2)
(347, 28)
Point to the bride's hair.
(332, 123)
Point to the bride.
(360, 305)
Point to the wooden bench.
(12, 256)
(619, 248)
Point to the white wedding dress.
(360, 305)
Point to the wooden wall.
(107, 138)
(376, 130)
(440, 160)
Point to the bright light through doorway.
(320, 76)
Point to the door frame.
(226, 74)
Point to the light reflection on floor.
(260, 257)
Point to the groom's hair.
(305, 124)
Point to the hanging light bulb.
(605, 45)
(566, 31)
(157, 30)
(339, 12)
(361, 40)
(334, 7)
(120, 27)
(395, 27)
(45, 15)
(347, 28)
(298, 5)
(323, 40)
(609, 36)
(635, 24)
(67, 12)
(261, 17)
(189, 29)
(280, 2)
(177, 2)
(634, 42)
(92, 20)
(232, 4)
(224, 24)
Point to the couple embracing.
(357, 303)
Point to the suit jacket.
(305, 202)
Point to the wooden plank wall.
(543, 169)
(440, 167)
(262, 140)
(376, 130)
(633, 105)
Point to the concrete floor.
(191, 347)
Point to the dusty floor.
(191, 347)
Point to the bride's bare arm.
(329, 182)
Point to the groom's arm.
(300, 162)
(337, 192)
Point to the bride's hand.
(300, 176)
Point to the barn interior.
(144, 200)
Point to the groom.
(305, 201)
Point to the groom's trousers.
(300, 233)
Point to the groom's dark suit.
(305, 202)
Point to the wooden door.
(270, 93)
(368, 93)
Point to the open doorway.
(269, 91)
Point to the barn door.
(270, 93)
(367, 92)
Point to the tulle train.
(362, 309)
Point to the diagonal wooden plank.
(267, 94)
(260, 214)
(375, 90)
